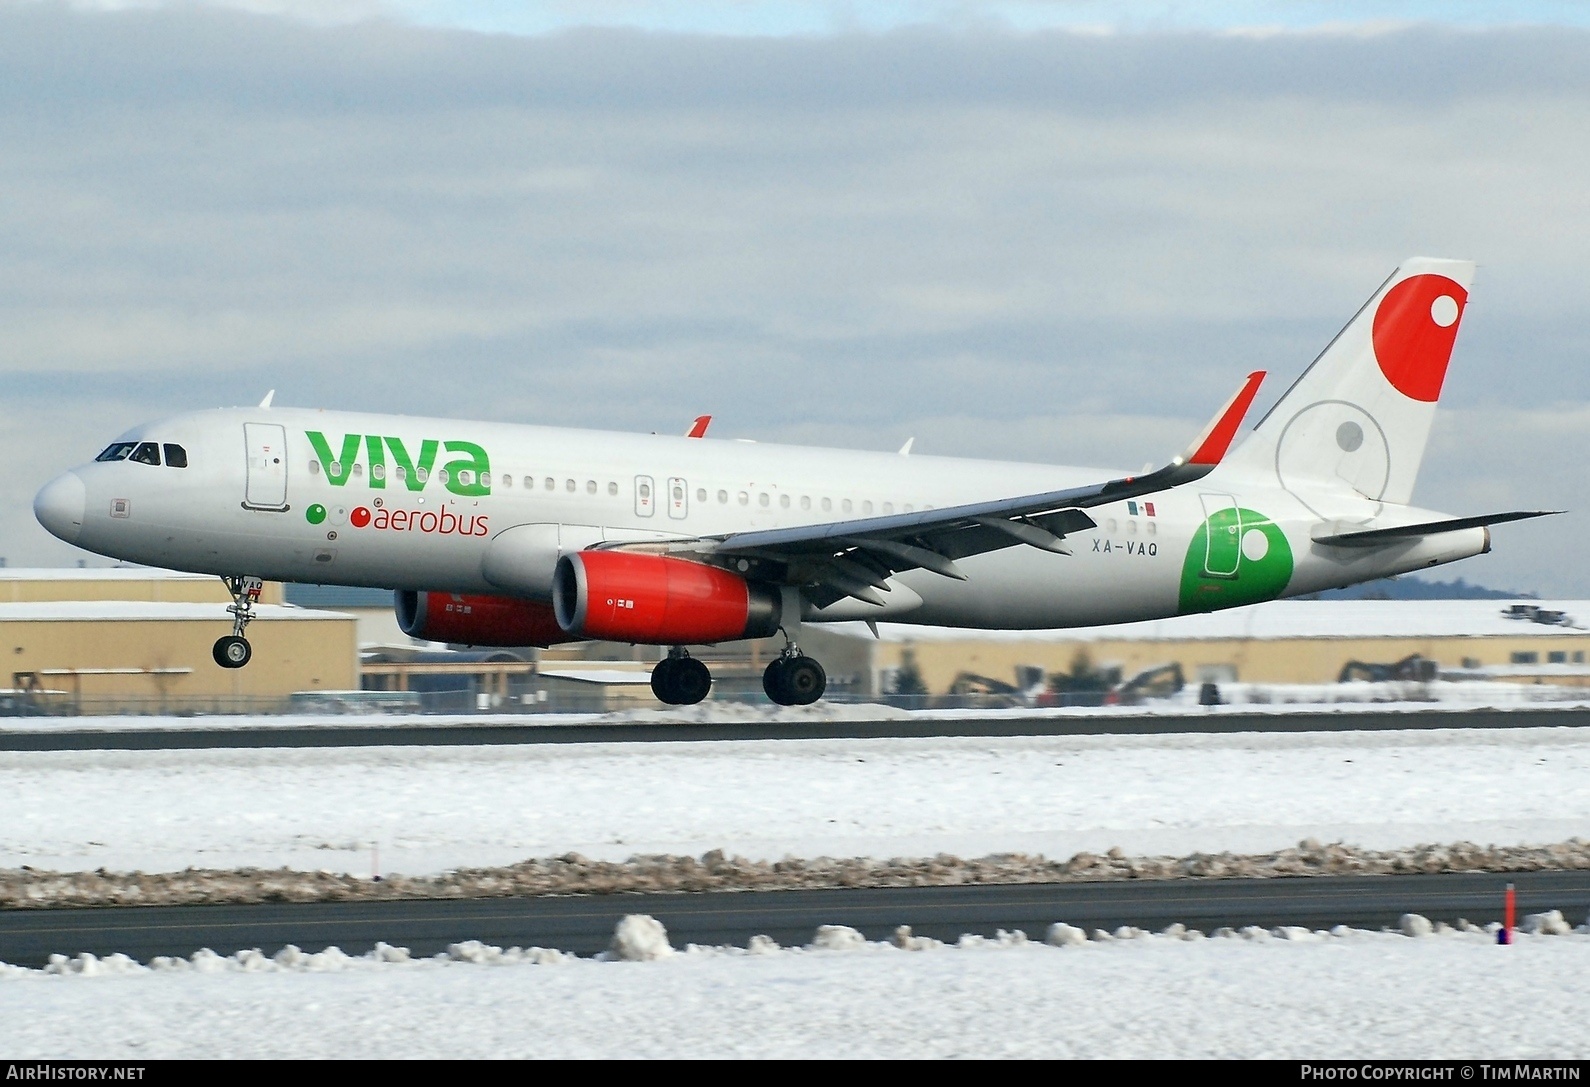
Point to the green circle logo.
(1238, 556)
(315, 514)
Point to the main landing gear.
(234, 651)
(793, 678)
(679, 679)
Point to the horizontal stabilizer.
(1377, 537)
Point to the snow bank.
(1289, 992)
(29, 888)
(640, 937)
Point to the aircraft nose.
(60, 504)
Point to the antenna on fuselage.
(268, 398)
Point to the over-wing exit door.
(267, 466)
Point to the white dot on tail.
(1444, 310)
(1255, 545)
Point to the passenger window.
(377, 471)
(552, 484)
(701, 494)
(590, 486)
(806, 502)
(783, 501)
(762, 500)
(569, 485)
(529, 483)
(358, 469)
(888, 507)
(744, 498)
(176, 456)
(421, 474)
(118, 451)
(845, 505)
(400, 473)
(645, 491)
(828, 504)
(465, 477)
(723, 498)
(146, 453)
(314, 468)
(612, 489)
(866, 507)
(909, 508)
(507, 480)
(441, 475)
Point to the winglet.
(1210, 446)
(698, 429)
(268, 398)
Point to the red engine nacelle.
(477, 620)
(623, 596)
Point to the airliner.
(495, 534)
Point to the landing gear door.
(267, 466)
(1223, 530)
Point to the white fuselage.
(415, 503)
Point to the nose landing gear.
(234, 651)
(679, 679)
(793, 678)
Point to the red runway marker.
(1509, 912)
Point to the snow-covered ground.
(435, 808)
(1355, 995)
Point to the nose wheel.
(680, 680)
(233, 651)
(794, 679)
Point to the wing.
(857, 557)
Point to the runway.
(67, 734)
(584, 924)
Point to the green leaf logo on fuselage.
(1237, 557)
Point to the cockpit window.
(176, 456)
(146, 453)
(118, 451)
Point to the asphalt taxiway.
(584, 924)
(74, 734)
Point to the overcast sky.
(1052, 244)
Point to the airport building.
(137, 640)
(1281, 642)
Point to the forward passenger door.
(266, 445)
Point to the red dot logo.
(1415, 327)
(359, 517)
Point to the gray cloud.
(1052, 246)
